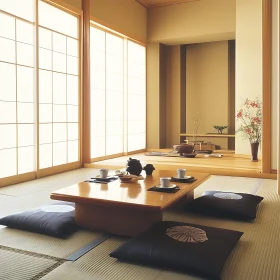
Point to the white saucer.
(97, 177)
(214, 155)
(186, 177)
(171, 186)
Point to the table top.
(131, 193)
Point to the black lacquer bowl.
(203, 151)
(189, 155)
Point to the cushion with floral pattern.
(226, 204)
(194, 249)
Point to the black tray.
(203, 151)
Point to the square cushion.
(56, 219)
(226, 204)
(191, 248)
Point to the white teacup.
(181, 172)
(165, 182)
(103, 173)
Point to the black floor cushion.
(191, 248)
(56, 219)
(226, 204)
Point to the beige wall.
(166, 87)
(207, 88)
(192, 22)
(153, 98)
(248, 58)
(173, 88)
(125, 16)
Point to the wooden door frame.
(266, 79)
(85, 103)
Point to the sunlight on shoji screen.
(114, 94)
(58, 87)
(106, 93)
(97, 92)
(16, 87)
(136, 69)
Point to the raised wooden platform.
(228, 165)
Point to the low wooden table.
(125, 208)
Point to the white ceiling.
(159, 3)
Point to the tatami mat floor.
(24, 266)
(255, 257)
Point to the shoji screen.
(58, 86)
(136, 104)
(106, 93)
(17, 88)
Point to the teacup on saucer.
(103, 172)
(165, 182)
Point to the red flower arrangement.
(250, 119)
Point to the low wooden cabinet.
(189, 136)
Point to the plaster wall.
(192, 22)
(124, 16)
(248, 59)
(207, 89)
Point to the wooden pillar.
(85, 102)
(267, 53)
(153, 95)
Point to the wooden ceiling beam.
(159, 3)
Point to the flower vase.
(254, 151)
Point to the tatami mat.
(24, 196)
(70, 271)
(48, 245)
(98, 264)
(255, 257)
(20, 266)
(50, 183)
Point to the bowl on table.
(125, 179)
(184, 148)
(124, 176)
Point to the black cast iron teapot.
(134, 166)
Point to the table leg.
(115, 219)
(181, 204)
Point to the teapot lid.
(133, 159)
